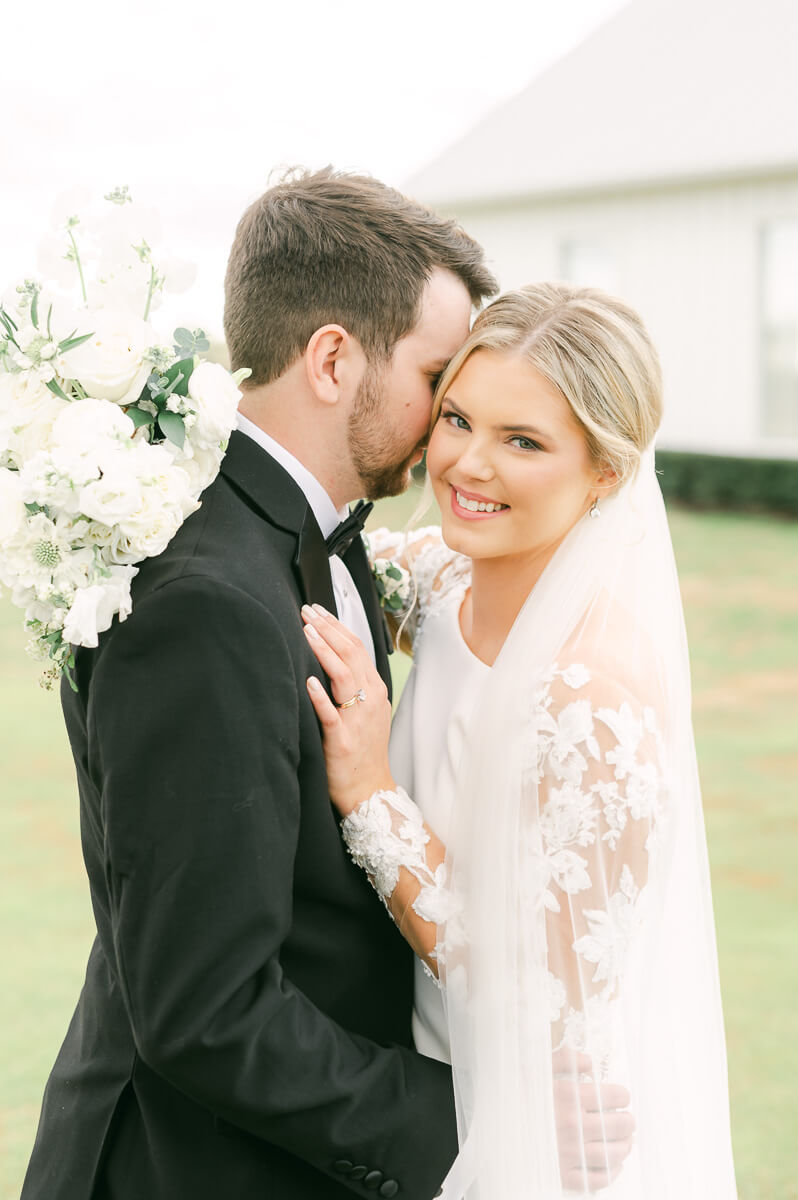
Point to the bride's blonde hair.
(593, 348)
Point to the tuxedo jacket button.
(358, 1172)
(343, 1166)
(373, 1179)
(389, 1188)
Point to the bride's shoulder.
(421, 573)
(434, 568)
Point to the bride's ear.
(606, 481)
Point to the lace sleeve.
(601, 804)
(386, 837)
(431, 570)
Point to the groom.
(244, 1028)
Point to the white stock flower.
(12, 509)
(111, 364)
(94, 607)
(216, 400)
(53, 479)
(28, 411)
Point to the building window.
(779, 330)
(589, 264)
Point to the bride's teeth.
(477, 505)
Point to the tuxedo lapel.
(357, 564)
(312, 565)
(266, 486)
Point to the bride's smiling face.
(507, 438)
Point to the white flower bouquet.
(107, 436)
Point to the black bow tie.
(344, 534)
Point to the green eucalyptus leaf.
(71, 342)
(393, 572)
(172, 427)
(56, 389)
(182, 368)
(139, 417)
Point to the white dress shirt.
(347, 598)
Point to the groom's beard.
(374, 446)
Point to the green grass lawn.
(740, 581)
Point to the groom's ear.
(334, 364)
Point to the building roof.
(666, 90)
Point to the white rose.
(91, 428)
(216, 400)
(12, 509)
(94, 607)
(110, 365)
(28, 411)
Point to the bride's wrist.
(361, 792)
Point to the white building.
(659, 160)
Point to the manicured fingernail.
(314, 684)
(311, 632)
(320, 609)
(307, 611)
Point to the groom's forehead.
(444, 319)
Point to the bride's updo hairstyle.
(593, 348)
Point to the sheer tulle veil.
(608, 607)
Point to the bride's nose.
(475, 461)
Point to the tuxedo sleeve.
(193, 720)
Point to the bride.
(536, 829)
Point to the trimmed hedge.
(738, 484)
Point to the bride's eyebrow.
(532, 430)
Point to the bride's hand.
(356, 731)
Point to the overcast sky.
(192, 104)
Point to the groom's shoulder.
(225, 543)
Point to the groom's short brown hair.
(327, 247)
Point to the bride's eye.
(452, 418)
(524, 443)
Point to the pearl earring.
(595, 511)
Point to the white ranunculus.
(12, 509)
(216, 400)
(111, 499)
(110, 365)
(201, 469)
(94, 607)
(28, 411)
(150, 530)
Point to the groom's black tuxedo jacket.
(244, 1028)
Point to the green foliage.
(736, 484)
(190, 342)
(172, 427)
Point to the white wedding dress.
(428, 734)
(574, 909)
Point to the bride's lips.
(466, 514)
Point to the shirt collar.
(325, 512)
